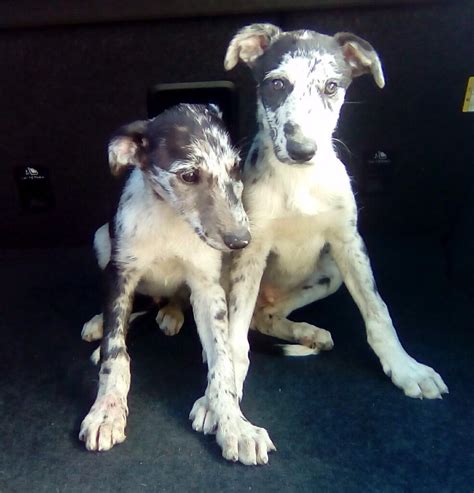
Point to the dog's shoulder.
(142, 217)
(137, 210)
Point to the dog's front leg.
(415, 379)
(104, 426)
(219, 411)
(245, 277)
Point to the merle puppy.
(301, 207)
(179, 211)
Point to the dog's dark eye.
(189, 176)
(278, 84)
(330, 88)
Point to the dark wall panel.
(63, 90)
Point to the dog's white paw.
(93, 330)
(242, 441)
(415, 379)
(204, 420)
(170, 319)
(313, 337)
(239, 440)
(104, 426)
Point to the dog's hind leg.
(170, 317)
(93, 330)
(273, 308)
(325, 281)
(309, 339)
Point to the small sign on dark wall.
(378, 169)
(34, 188)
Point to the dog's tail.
(269, 345)
(297, 350)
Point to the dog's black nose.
(301, 151)
(237, 241)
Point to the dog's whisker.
(343, 144)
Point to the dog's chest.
(161, 243)
(163, 277)
(295, 246)
(295, 211)
(294, 201)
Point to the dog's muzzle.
(299, 148)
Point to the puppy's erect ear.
(361, 56)
(127, 146)
(250, 43)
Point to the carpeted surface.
(338, 422)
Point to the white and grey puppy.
(299, 200)
(179, 211)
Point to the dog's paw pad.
(170, 319)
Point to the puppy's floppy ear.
(127, 146)
(361, 56)
(250, 43)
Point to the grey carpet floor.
(338, 422)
